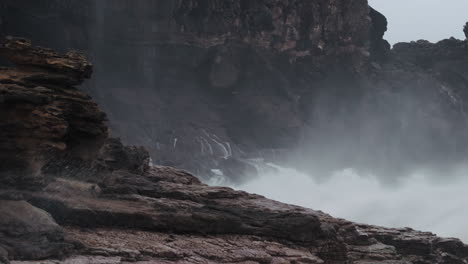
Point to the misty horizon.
(432, 20)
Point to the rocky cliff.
(109, 206)
(216, 83)
(208, 85)
(407, 112)
(212, 82)
(42, 114)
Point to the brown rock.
(157, 217)
(73, 65)
(139, 202)
(41, 115)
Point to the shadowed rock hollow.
(109, 206)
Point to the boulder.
(27, 232)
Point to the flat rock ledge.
(167, 216)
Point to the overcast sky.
(433, 20)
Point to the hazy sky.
(433, 20)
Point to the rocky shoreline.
(87, 198)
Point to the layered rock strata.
(42, 114)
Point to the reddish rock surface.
(41, 114)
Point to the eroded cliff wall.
(205, 85)
(199, 82)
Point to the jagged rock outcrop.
(379, 47)
(465, 30)
(42, 115)
(48, 126)
(124, 211)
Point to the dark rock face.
(298, 28)
(465, 30)
(379, 46)
(441, 72)
(217, 81)
(407, 113)
(207, 85)
(209, 81)
(112, 156)
(123, 210)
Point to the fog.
(418, 201)
(432, 20)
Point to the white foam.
(417, 201)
